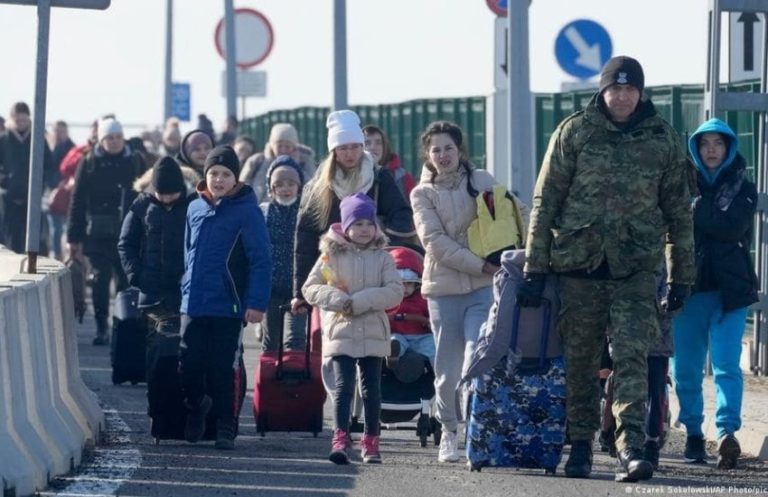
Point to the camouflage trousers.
(626, 309)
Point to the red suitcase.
(289, 393)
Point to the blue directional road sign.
(180, 106)
(582, 47)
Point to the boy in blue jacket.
(226, 281)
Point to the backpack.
(498, 226)
(536, 338)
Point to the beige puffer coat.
(366, 276)
(443, 212)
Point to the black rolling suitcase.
(165, 398)
(166, 407)
(129, 339)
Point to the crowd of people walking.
(215, 233)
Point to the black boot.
(651, 451)
(194, 429)
(579, 463)
(225, 434)
(634, 467)
(102, 331)
(728, 452)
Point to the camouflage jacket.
(618, 195)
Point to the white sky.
(112, 61)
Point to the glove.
(530, 290)
(676, 295)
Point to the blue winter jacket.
(227, 262)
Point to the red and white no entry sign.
(253, 38)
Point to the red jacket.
(415, 304)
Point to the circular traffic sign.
(582, 47)
(499, 7)
(253, 38)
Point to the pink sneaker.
(339, 447)
(370, 449)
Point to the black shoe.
(634, 467)
(651, 453)
(728, 452)
(194, 429)
(225, 434)
(394, 355)
(695, 450)
(579, 463)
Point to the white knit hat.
(343, 128)
(108, 126)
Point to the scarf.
(342, 186)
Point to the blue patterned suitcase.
(518, 419)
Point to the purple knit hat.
(356, 207)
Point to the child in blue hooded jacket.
(715, 314)
(226, 281)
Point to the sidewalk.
(753, 435)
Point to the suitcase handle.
(307, 373)
(545, 325)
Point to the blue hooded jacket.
(713, 126)
(227, 257)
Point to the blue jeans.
(421, 344)
(456, 321)
(701, 325)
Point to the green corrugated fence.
(403, 122)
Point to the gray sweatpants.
(456, 321)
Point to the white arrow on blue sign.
(582, 47)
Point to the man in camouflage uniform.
(612, 186)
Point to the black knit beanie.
(223, 155)
(167, 177)
(622, 70)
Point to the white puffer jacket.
(443, 211)
(368, 277)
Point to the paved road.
(128, 463)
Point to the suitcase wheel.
(550, 471)
(474, 467)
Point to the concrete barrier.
(47, 414)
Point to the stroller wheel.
(437, 430)
(550, 471)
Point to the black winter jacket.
(151, 249)
(723, 224)
(14, 167)
(102, 195)
(391, 207)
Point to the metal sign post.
(35, 187)
(522, 165)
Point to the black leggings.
(370, 374)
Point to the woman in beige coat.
(456, 282)
(353, 282)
